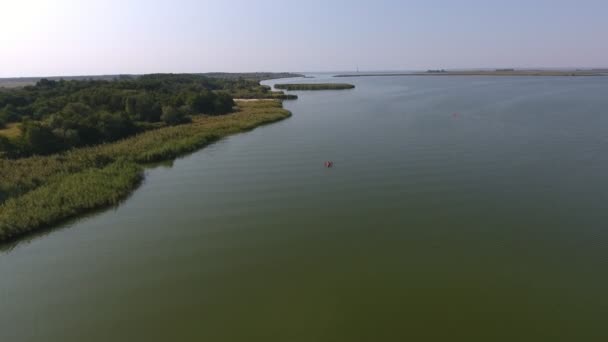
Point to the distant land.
(314, 86)
(496, 72)
(14, 82)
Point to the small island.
(314, 86)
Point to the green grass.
(314, 86)
(276, 95)
(28, 182)
(71, 195)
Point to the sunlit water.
(458, 209)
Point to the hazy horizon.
(69, 38)
(299, 71)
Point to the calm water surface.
(458, 209)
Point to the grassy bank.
(268, 95)
(41, 190)
(68, 196)
(314, 86)
(56, 116)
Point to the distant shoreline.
(545, 73)
(18, 82)
(313, 86)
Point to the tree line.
(59, 115)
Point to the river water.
(458, 208)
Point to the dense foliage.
(41, 190)
(68, 146)
(252, 76)
(59, 115)
(314, 86)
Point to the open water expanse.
(458, 209)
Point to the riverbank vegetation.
(314, 86)
(19, 82)
(251, 76)
(69, 195)
(55, 116)
(38, 191)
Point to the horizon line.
(310, 71)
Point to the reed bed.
(314, 86)
(40, 190)
(73, 194)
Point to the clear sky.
(76, 37)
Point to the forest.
(57, 115)
(70, 146)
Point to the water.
(458, 208)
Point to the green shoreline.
(313, 86)
(43, 191)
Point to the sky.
(94, 37)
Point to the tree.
(113, 126)
(223, 103)
(9, 113)
(75, 125)
(173, 116)
(45, 83)
(202, 102)
(143, 108)
(39, 139)
(207, 102)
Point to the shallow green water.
(458, 209)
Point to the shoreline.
(57, 195)
(520, 73)
(313, 86)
